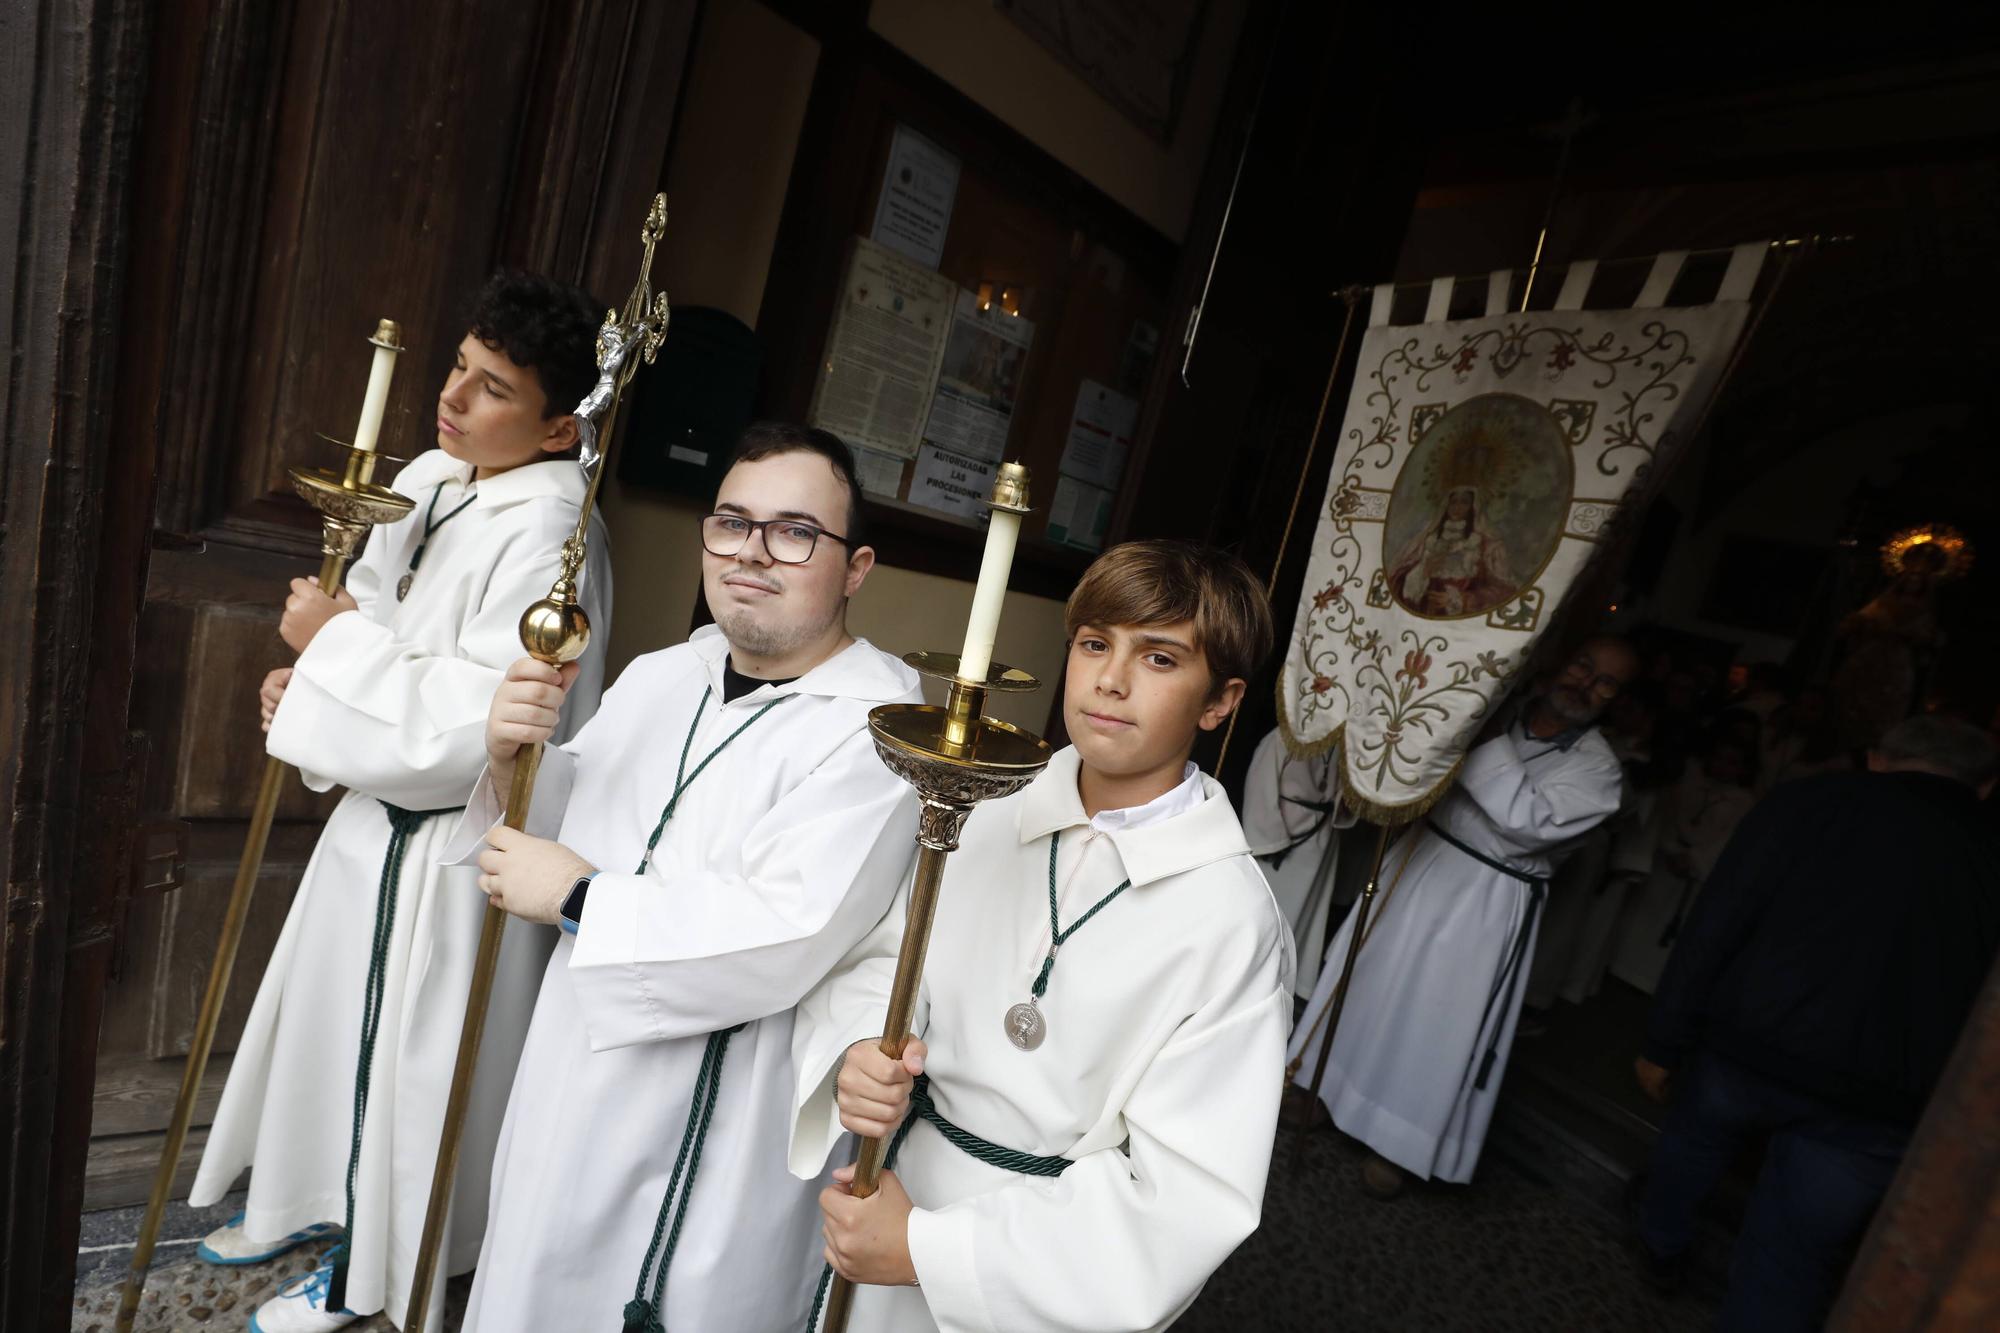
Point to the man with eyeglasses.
(1422, 1044)
(710, 843)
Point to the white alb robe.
(1296, 844)
(1587, 896)
(1699, 817)
(390, 702)
(1429, 997)
(1574, 892)
(780, 856)
(1159, 1076)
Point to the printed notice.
(879, 474)
(918, 188)
(951, 483)
(1100, 434)
(882, 354)
(1079, 515)
(978, 380)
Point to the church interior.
(1170, 222)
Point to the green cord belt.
(1007, 1159)
(403, 825)
(922, 1108)
(642, 1312)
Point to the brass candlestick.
(956, 757)
(554, 630)
(349, 504)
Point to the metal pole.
(492, 931)
(365, 504)
(895, 1035)
(1351, 296)
(1338, 1001)
(204, 1036)
(554, 630)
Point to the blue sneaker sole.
(283, 1247)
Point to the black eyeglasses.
(788, 541)
(1599, 684)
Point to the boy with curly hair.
(336, 1095)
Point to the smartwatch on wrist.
(570, 915)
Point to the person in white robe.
(1417, 1058)
(1574, 890)
(1124, 1149)
(1587, 893)
(1293, 817)
(1699, 817)
(388, 699)
(716, 838)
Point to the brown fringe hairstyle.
(1163, 582)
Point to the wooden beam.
(71, 566)
(1931, 1260)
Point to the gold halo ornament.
(1936, 549)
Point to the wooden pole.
(1338, 1000)
(359, 504)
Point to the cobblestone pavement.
(182, 1292)
(1508, 1252)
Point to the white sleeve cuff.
(941, 1250)
(485, 808)
(619, 1008)
(816, 1127)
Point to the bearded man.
(1416, 1063)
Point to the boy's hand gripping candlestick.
(955, 757)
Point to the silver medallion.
(1025, 1027)
(403, 585)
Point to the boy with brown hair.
(1107, 995)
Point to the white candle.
(375, 402)
(1001, 535)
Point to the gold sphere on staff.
(555, 629)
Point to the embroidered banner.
(1480, 465)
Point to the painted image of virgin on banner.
(1478, 509)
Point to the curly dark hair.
(544, 326)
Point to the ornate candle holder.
(955, 757)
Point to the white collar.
(560, 477)
(1165, 843)
(1176, 800)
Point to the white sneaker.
(229, 1244)
(300, 1306)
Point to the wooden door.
(308, 169)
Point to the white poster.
(1100, 434)
(951, 483)
(882, 353)
(918, 187)
(879, 474)
(1079, 515)
(978, 380)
